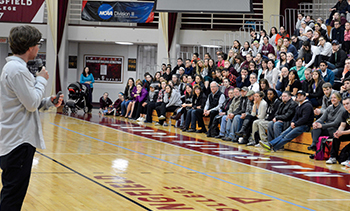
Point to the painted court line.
(187, 168)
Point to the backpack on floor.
(323, 148)
(344, 154)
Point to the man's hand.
(243, 116)
(230, 116)
(144, 104)
(206, 113)
(43, 73)
(292, 125)
(317, 111)
(58, 104)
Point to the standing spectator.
(342, 134)
(87, 78)
(301, 122)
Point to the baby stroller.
(78, 98)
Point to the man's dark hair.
(180, 59)
(197, 55)
(188, 60)
(22, 38)
(324, 62)
(347, 79)
(288, 93)
(287, 38)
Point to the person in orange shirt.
(282, 34)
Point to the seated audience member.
(316, 37)
(261, 125)
(267, 48)
(299, 68)
(272, 74)
(342, 133)
(239, 61)
(199, 81)
(321, 23)
(256, 48)
(346, 42)
(220, 61)
(308, 53)
(329, 122)
(309, 21)
(300, 18)
(236, 47)
(176, 81)
(345, 89)
(156, 78)
(200, 69)
(171, 101)
(151, 99)
(337, 33)
(167, 75)
(283, 81)
(325, 51)
(117, 105)
(180, 63)
(304, 30)
(188, 67)
(231, 78)
(279, 47)
(230, 56)
(327, 74)
(315, 92)
(139, 98)
(127, 96)
(283, 116)
(254, 85)
(228, 114)
(290, 60)
(273, 35)
(219, 77)
(195, 57)
(323, 32)
(282, 62)
(294, 84)
(258, 113)
(213, 105)
(308, 79)
(301, 122)
(152, 105)
(263, 69)
(244, 109)
(190, 80)
(249, 58)
(225, 87)
(182, 86)
(211, 66)
(326, 100)
(290, 48)
(245, 50)
(231, 69)
(222, 114)
(337, 18)
(195, 113)
(296, 42)
(282, 34)
(254, 35)
(186, 105)
(252, 68)
(264, 86)
(105, 103)
(243, 79)
(346, 72)
(337, 60)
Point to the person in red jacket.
(282, 34)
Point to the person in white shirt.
(254, 84)
(21, 96)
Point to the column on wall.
(271, 7)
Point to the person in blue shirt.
(327, 74)
(87, 78)
(290, 48)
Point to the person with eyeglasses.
(337, 32)
(21, 97)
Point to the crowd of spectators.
(264, 92)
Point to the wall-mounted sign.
(22, 11)
(105, 68)
(3, 40)
(131, 64)
(109, 11)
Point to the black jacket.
(226, 105)
(304, 114)
(176, 68)
(200, 101)
(271, 109)
(126, 93)
(340, 62)
(305, 85)
(285, 112)
(242, 106)
(319, 92)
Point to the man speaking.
(21, 95)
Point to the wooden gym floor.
(106, 163)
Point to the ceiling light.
(124, 43)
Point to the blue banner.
(106, 11)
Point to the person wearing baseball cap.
(301, 122)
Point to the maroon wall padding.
(171, 28)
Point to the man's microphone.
(35, 66)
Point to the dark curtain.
(61, 19)
(172, 17)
